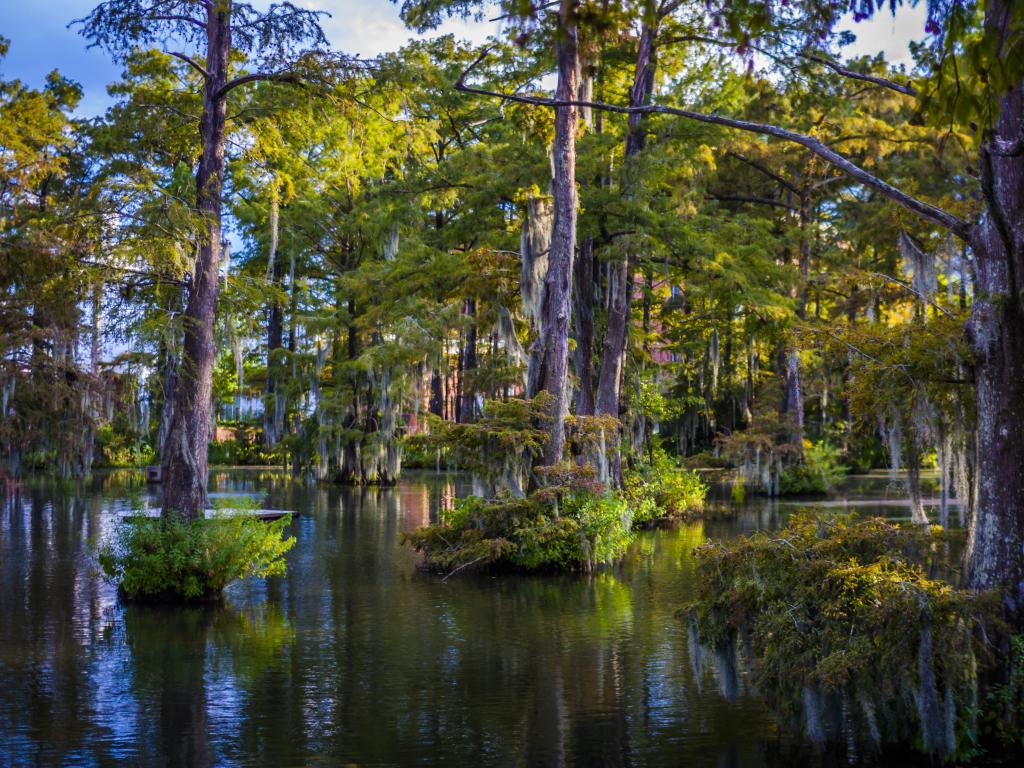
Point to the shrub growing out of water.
(159, 560)
(819, 472)
(663, 491)
(577, 530)
(844, 610)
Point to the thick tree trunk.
(558, 283)
(620, 282)
(995, 545)
(995, 548)
(184, 460)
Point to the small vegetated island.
(716, 242)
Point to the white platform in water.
(262, 514)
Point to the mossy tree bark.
(995, 546)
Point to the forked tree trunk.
(185, 453)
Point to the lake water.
(356, 657)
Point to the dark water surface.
(355, 656)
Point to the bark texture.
(558, 283)
(185, 452)
(995, 545)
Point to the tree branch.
(192, 63)
(755, 200)
(765, 170)
(910, 289)
(277, 77)
(936, 215)
(892, 85)
(185, 19)
(839, 69)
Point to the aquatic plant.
(663, 491)
(843, 615)
(554, 528)
(818, 473)
(173, 561)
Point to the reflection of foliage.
(254, 638)
(662, 490)
(846, 607)
(175, 561)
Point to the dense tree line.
(712, 228)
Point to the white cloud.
(370, 27)
(886, 32)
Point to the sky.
(41, 41)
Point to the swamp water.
(355, 657)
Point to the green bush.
(118, 446)
(662, 491)
(578, 530)
(154, 559)
(820, 471)
(847, 608)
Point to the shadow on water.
(355, 655)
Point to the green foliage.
(242, 452)
(663, 491)
(170, 560)
(818, 473)
(121, 447)
(847, 607)
(580, 530)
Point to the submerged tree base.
(169, 561)
(857, 622)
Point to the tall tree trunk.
(583, 291)
(185, 455)
(789, 364)
(620, 282)
(272, 416)
(995, 544)
(558, 283)
(468, 410)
